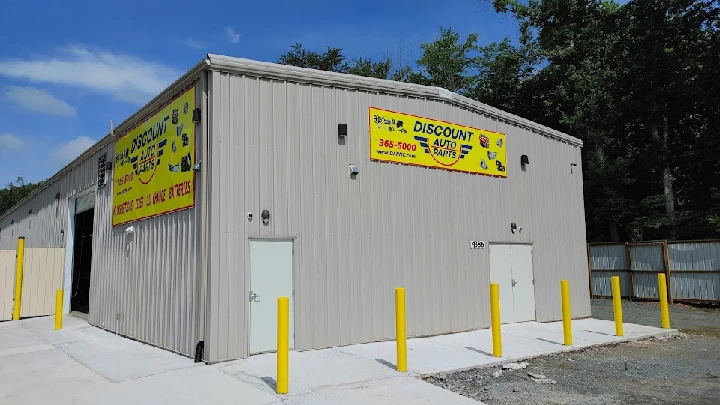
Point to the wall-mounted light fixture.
(197, 115)
(342, 130)
(513, 227)
(265, 216)
(354, 170)
(571, 167)
(524, 161)
(57, 196)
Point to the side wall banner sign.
(153, 169)
(408, 139)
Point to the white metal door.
(271, 264)
(523, 287)
(501, 273)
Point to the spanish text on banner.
(153, 169)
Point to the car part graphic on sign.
(491, 155)
(186, 107)
(186, 163)
(174, 147)
(175, 116)
(499, 143)
(173, 168)
(180, 129)
(500, 166)
(483, 164)
(484, 141)
(185, 140)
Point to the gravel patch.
(684, 369)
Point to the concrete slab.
(460, 351)
(199, 384)
(112, 356)
(310, 370)
(82, 364)
(44, 377)
(403, 390)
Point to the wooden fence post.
(666, 263)
(628, 266)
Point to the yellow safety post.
(566, 315)
(19, 264)
(617, 305)
(283, 347)
(400, 336)
(58, 309)
(664, 310)
(495, 319)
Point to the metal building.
(245, 181)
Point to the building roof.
(300, 75)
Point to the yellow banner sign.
(412, 140)
(153, 166)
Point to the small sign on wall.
(477, 244)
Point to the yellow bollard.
(664, 310)
(400, 336)
(58, 309)
(283, 347)
(566, 314)
(19, 264)
(617, 305)
(495, 319)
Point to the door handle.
(254, 297)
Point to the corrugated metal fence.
(692, 269)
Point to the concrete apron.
(85, 365)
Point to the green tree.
(13, 193)
(448, 62)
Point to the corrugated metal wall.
(145, 284)
(46, 226)
(695, 270)
(646, 263)
(607, 261)
(43, 273)
(148, 281)
(7, 283)
(274, 146)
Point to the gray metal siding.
(145, 285)
(150, 280)
(704, 282)
(647, 261)
(42, 228)
(274, 146)
(609, 257)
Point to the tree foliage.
(14, 192)
(639, 84)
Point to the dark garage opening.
(82, 259)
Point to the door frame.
(532, 257)
(70, 245)
(249, 285)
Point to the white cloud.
(10, 142)
(37, 100)
(67, 152)
(232, 35)
(193, 43)
(121, 76)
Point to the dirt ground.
(678, 370)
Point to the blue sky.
(69, 67)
